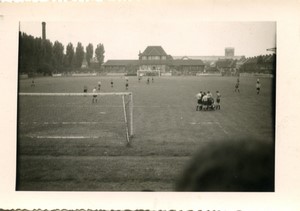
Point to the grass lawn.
(167, 130)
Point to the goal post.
(126, 100)
(142, 72)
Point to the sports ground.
(69, 143)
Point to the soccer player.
(85, 89)
(111, 83)
(152, 79)
(237, 86)
(139, 79)
(32, 83)
(218, 99)
(257, 86)
(148, 80)
(94, 96)
(126, 84)
(205, 101)
(199, 101)
(209, 94)
(99, 85)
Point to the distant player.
(85, 89)
(32, 83)
(152, 79)
(111, 83)
(218, 100)
(199, 101)
(139, 79)
(99, 85)
(94, 96)
(237, 85)
(126, 85)
(257, 86)
(148, 80)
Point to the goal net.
(105, 116)
(149, 72)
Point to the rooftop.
(154, 51)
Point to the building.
(128, 67)
(155, 61)
(265, 64)
(226, 66)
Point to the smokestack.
(44, 30)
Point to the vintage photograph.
(146, 106)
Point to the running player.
(257, 86)
(126, 84)
(94, 96)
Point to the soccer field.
(69, 143)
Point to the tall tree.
(89, 53)
(79, 55)
(100, 53)
(47, 56)
(69, 55)
(58, 55)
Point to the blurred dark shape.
(226, 166)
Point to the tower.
(229, 52)
(44, 30)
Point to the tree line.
(42, 56)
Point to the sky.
(124, 37)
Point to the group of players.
(94, 91)
(205, 101)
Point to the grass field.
(69, 143)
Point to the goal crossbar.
(128, 118)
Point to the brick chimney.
(44, 30)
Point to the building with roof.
(121, 66)
(154, 61)
(259, 64)
(226, 66)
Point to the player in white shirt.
(199, 101)
(94, 96)
(205, 101)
